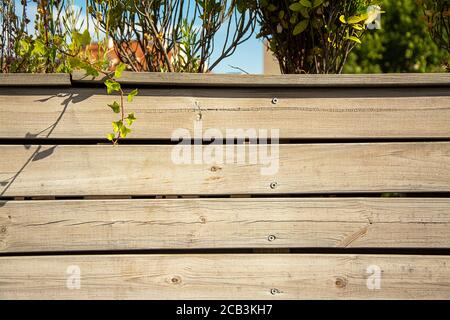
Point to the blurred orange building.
(133, 49)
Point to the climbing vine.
(80, 58)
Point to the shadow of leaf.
(3, 183)
(29, 135)
(44, 154)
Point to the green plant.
(437, 15)
(80, 58)
(12, 27)
(313, 36)
(156, 35)
(402, 44)
(41, 51)
(58, 45)
(120, 128)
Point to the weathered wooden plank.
(320, 113)
(310, 80)
(77, 225)
(150, 169)
(34, 79)
(237, 276)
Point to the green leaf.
(112, 85)
(115, 107)
(132, 94)
(124, 131)
(342, 19)
(304, 12)
(300, 27)
(357, 19)
(85, 38)
(119, 69)
(110, 136)
(131, 118)
(76, 40)
(24, 46)
(91, 71)
(355, 39)
(272, 7)
(39, 48)
(306, 3)
(296, 7)
(317, 3)
(241, 5)
(117, 125)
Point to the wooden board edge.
(293, 81)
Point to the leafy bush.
(313, 36)
(45, 48)
(437, 14)
(403, 44)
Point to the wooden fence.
(82, 219)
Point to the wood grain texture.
(237, 276)
(78, 225)
(312, 80)
(149, 170)
(82, 113)
(34, 79)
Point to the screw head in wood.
(274, 291)
(273, 185)
(274, 100)
(271, 238)
(176, 280)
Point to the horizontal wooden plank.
(310, 80)
(82, 113)
(34, 79)
(150, 170)
(77, 225)
(241, 276)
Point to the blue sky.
(248, 56)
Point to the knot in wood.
(340, 282)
